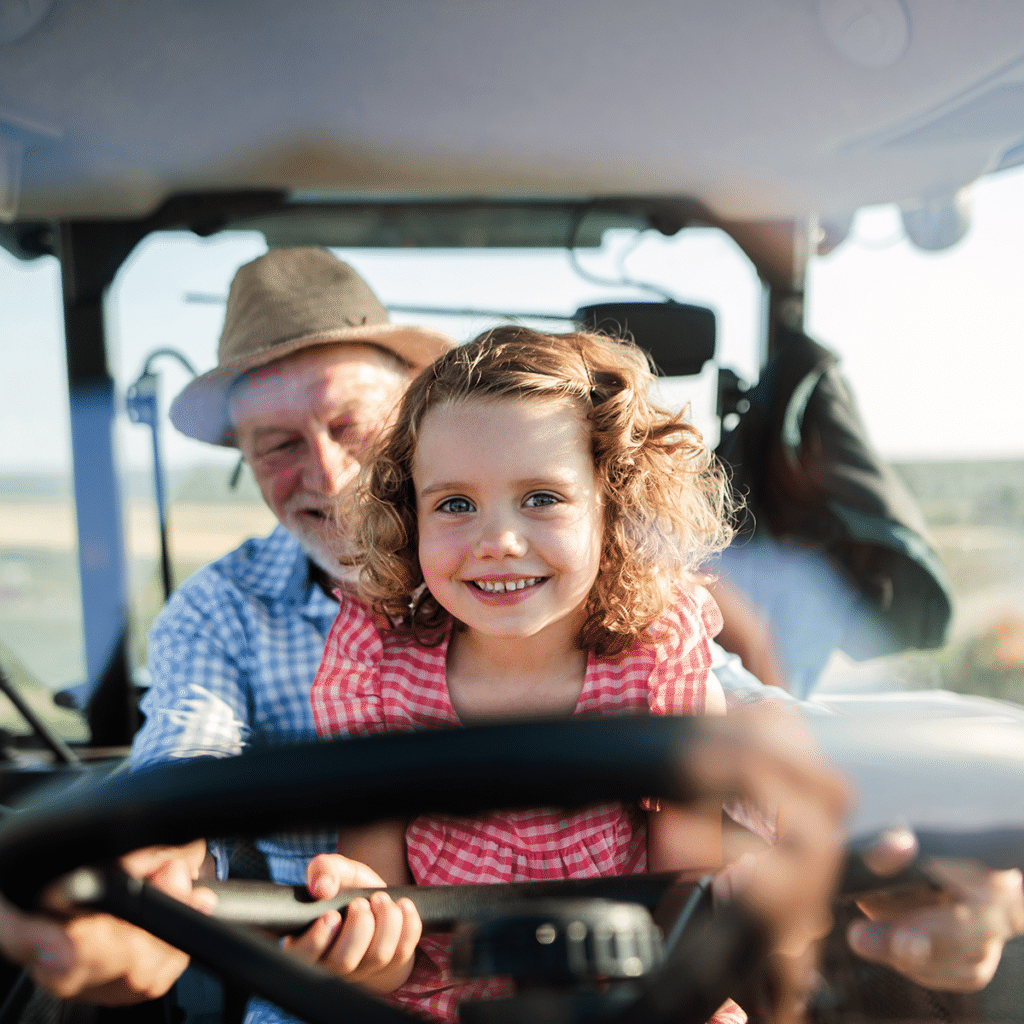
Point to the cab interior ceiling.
(765, 110)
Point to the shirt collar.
(280, 573)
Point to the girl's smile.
(507, 588)
(509, 514)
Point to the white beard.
(320, 553)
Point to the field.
(975, 511)
(41, 643)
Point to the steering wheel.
(354, 781)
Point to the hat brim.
(200, 409)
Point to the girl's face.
(510, 514)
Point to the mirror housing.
(680, 338)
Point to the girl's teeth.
(500, 587)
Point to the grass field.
(41, 643)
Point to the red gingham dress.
(372, 682)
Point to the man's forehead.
(344, 376)
(344, 356)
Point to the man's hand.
(97, 958)
(374, 947)
(950, 939)
(766, 756)
(34, 942)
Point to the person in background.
(833, 553)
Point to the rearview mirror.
(679, 338)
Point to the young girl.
(529, 533)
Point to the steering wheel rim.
(464, 771)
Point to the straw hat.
(285, 301)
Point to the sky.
(931, 342)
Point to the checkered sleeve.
(196, 705)
(346, 695)
(678, 683)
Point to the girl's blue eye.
(455, 506)
(541, 500)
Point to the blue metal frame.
(90, 255)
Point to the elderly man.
(308, 371)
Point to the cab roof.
(753, 109)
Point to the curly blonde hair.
(666, 500)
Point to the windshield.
(929, 343)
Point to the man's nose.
(329, 466)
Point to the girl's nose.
(500, 542)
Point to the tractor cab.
(808, 213)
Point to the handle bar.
(288, 909)
(285, 909)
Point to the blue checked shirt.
(232, 658)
